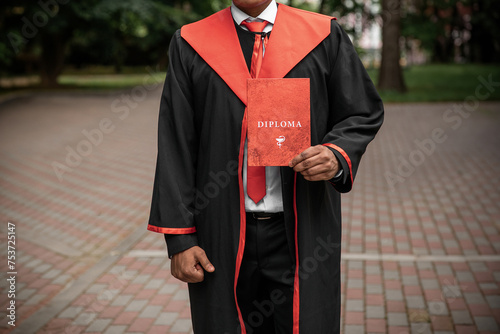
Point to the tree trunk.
(482, 40)
(322, 7)
(52, 59)
(390, 74)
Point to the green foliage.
(437, 82)
(455, 29)
(94, 31)
(6, 55)
(365, 11)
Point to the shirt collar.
(269, 14)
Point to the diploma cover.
(279, 121)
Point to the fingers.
(203, 260)
(188, 266)
(316, 163)
(304, 155)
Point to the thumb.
(205, 262)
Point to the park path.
(421, 235)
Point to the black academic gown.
(198, 188)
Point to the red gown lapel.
(295, 34)
(215, 39)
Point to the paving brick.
(451, 291)
(71, 312)
(433, 212)
(460, 329)
(122, 300)
(398, 330)
(97, 288)
(24, 294)
(355, 283)
(51, 274)
(410, 280)
(166, 318)
(84, 319)
(136, 305)
(111, 312)
(168, 288)
(418, 315)
(374, 300)
(154, 284)
(461, 317)
(480, 310)
(150, 312)
(375, 312)
(354, 318)
(430, 284)
(397, 319)
(486, 324)
(376, 326)
(159, 330)
(395, 306)
(437, 308)
(464, 276)
(420, 328)
(181, 326)
(98, 325)
(478, 266)
(142, 325)
(493, 301)
(441, 323)
(125, 318)
(376, 289)
(394, 295)
(474, 298)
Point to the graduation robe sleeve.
(355, 105)
(172, 207)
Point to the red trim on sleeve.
(296, 285)
(346, 157)
(169, 230)
(243, 217)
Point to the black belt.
(264, 215)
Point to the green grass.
(110, 81)
(450, 82)
(426, 83)
(96, 78)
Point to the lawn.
(426, 83)
(95, 78)
(432, 83)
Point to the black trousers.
(264, 290)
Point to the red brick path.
(421, 234)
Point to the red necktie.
(256, 175)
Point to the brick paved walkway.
(421, 239)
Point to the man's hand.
(316, 163)
(188, 265)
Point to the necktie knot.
(255, 26)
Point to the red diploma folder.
(279, 121)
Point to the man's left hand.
(317, 163)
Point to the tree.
(485, 29)
(362, 12)
(48, 30)
(390, 73)
(455, 30)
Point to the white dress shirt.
(273, 201)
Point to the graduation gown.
(198, 187)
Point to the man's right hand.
(188, 265)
